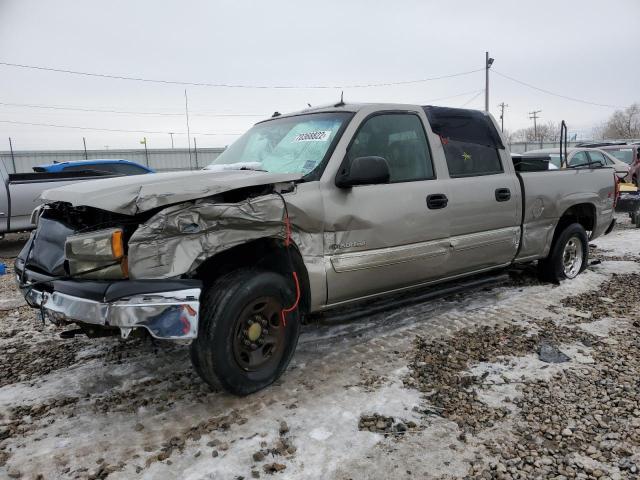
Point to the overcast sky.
(585, 49)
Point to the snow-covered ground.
(104, 408)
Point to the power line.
(548, 92)
(472, 98)
(127, 112)
(173, 114)
(109, 129)
(453, 96)
(232, 85)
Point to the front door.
(384, 237)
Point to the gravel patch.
(617, 297)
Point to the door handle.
(436, 201)
(503, 194)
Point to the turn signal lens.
(117, 246)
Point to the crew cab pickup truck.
(304, 212)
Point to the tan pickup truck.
(304, 212)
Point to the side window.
(78, 168)
(128, 169)
(579, 158)
(599, 157)
(466, 159)
(398, 138)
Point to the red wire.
(287, 242)
(284, 312)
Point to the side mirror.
(363, 171)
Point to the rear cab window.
(470, 141)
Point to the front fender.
(176, 240)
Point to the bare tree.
(509, 136)
(623, 123)
(548, 132)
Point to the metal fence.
(158, 159)
(165, 159)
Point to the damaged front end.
(74, 270)
(121, 270)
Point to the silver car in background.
(577, 157)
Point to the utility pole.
(195, 150)
(502, 107)
(84, 142)
(488, 61)
(146, 152)
(186, 110)
(534, 116)
(13, 158)
(171, 133)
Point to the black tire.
(218, 353)
(552, 268)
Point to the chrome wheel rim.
(572, 257)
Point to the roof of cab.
(353, 108)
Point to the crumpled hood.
(138, 193)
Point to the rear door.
(384, 237)
(485, 198)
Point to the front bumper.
(166, 309)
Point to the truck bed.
(22, 194)
(549, 194)
(34, 177)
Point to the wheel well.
(582, 213)
(266, 253)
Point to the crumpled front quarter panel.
(178, 239)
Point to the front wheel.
(569, 255)
(243, 345)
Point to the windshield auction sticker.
(319, 136)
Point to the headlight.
(100, 254)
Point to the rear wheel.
(569, 255)
(243, 345)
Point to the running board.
(345, 314)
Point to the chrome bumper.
(166, 315)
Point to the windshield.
(624, 154)
(286, 145)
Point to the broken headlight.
(97, 255)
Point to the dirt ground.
(507, 379)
